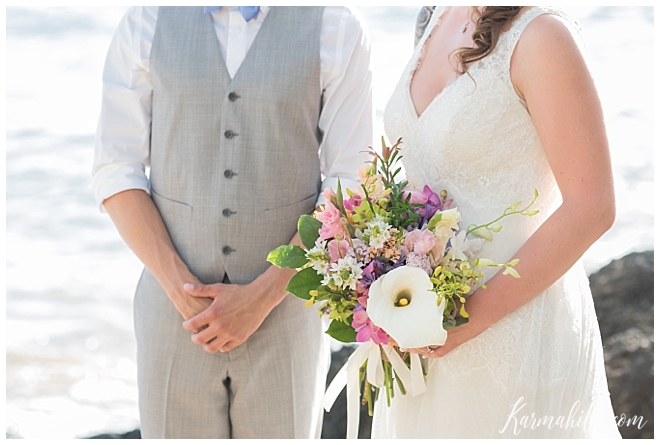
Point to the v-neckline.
(432, 25)
(265, 25)
(420, 53)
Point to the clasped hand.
(232, 317)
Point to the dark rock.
(135, 434)
(623, 297)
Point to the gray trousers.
(269, 387)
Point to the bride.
(497, 102)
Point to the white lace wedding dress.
(544, 359)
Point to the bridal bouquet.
(390, 267)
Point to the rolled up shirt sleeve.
(122, 141)
(346, 119)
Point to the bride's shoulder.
(547, 35)
(543, 26)
(549, 43)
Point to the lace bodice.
(476, 139)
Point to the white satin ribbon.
(349, 376)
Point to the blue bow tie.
(248, 12)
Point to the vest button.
(227, 212)
(233, 96)
(229, 134)
(229, 174)
(227, 250)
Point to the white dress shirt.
(121, 154)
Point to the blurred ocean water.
(70, 350)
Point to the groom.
(242, 114)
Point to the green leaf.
(308, 228)
(340, 198)
(341, 331)
(458, 321)
(289, 256)
(303, 282)
(435, 219)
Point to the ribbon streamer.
(412, 379)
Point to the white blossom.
(346, 272)
(319, 258)
(463, 248)
(377, 232)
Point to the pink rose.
(330, 217)
(420, 241)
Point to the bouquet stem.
(367, 394)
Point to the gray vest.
(234, 162)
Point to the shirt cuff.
(107, 184)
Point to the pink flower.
(330, 217)
(338, 249)
(420, 241)
(369, 331)
(431, 196)
(416, 196)
(360, 317)
(328, 194)
(352, 202)
(362, 294)
(429, 199)
(366, 329)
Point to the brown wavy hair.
(486, 33)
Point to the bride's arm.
(549, 72)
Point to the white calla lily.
(402, 303)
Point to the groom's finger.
(214, 345)
(198, 322)
(203, 337)
(228, 346)
(201, 290)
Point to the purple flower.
(352, 202)
(371, 273)
(431, 196)
(402, 258)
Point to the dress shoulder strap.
(501, 57)
(510, 39)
